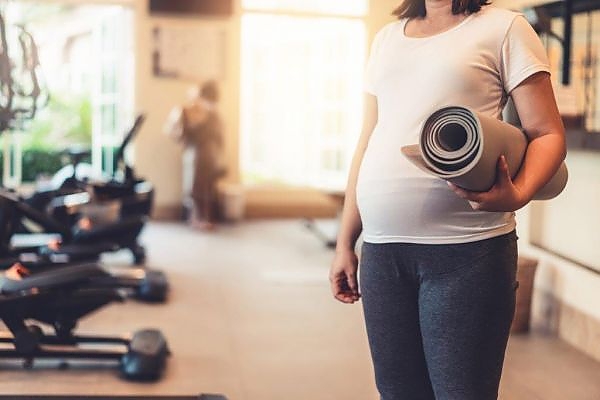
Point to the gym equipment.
(141, 283)
(462, 146)
(78, 244)
(21, 94)
(147, 285)
(136, 195)
(73, 194)
(60, 297)
(326, 230)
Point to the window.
(112, 88)
(301, 104)
(86, 56)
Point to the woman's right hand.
(343, 276)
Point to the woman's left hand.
(503, 196)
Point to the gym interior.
(133, 300)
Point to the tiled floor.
(250, 315)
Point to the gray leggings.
(438, 316)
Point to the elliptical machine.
(73, 194)
(76, 242)
(135, 194)
(59, 298)
(144, 284)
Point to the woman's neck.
(438, 10)
(439, 18)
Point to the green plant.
(37, 162)
(65, 121)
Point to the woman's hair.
(416, 8)
(210, 91)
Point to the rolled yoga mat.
(463, 147)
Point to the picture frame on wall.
(191, 53)
(221, 8)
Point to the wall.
(380, 14)
(570, 225)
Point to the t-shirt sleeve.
(523, 54)
(370, 76)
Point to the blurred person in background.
(198, 125)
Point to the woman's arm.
(541, 121)
(174, 124)
(344, 282)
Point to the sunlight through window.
(301, 92)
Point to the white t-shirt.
(474, 64)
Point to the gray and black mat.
(462, 146)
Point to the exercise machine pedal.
(146, 356)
